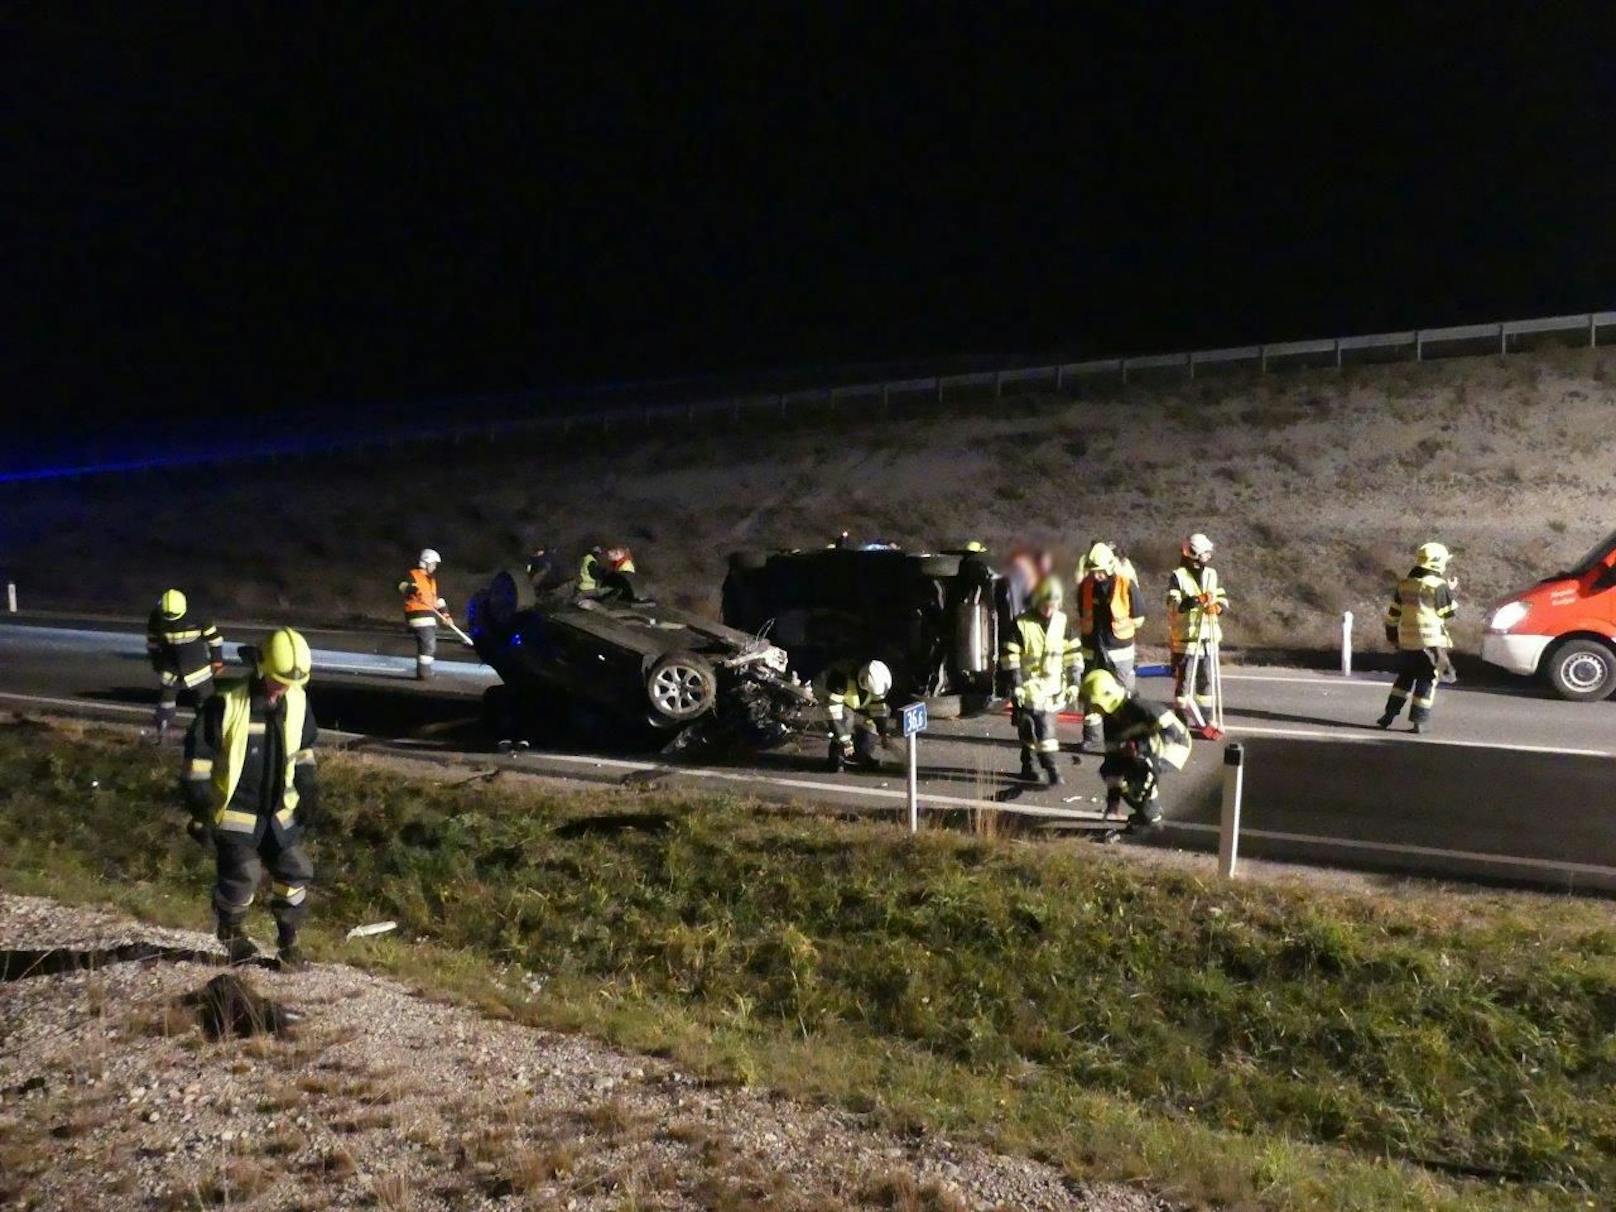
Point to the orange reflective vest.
(1123, 621)
(420, 590)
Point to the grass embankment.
(1265, 1046)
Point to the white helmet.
(429, 558)
(1197, 547)
(876, 679)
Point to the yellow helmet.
(1103, 691)
(976, 547)
(1433, 556)
(1050, 592)
(285, 658)
(172, 604)
(1101, 558)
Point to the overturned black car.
(934, 619)
(626, 670)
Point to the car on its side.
(643, 672)
(1563, 629)
(932, 618)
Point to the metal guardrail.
(605, 409)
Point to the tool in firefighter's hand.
(449, 623)
(1206, 651)
(1446, 674)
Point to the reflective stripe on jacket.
(1125, 613)
(217, 750)
(420, 590)
(1187, 621)
(1420, 610)
(1155, 729)
(843, 694)
(1042, 657)
(183, 648)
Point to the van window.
(1597, 556)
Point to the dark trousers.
(168, 698)
(1038, 736)
(1124, 772)
(1416, 676)
(240, 868)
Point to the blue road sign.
(913, 719)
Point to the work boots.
(1386, 721)
(287, 951)
(1052, 774)
(1028, 774)
(238, 947)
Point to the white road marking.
(1347, 843)
(1306, 681)
(1362, 736)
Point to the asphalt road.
(1510, 786)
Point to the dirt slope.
(112, 1098)
(1317, 486)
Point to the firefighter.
(1417, 623)
(1109, 615)
(1043, 663)
(1195, 605)
(423, 607)
(857, 691)
(598, 564)
(545, 571)
(1140, 738)
(185, 652)
(249, 783)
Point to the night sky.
(235, 208)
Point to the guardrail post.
(1189, 361)
(1503, 339)
(1262, 359)
(1338, 353)
(1419, 345)
(998, 384)
(1346, 644)
(1234, 779)
(1593, 329)
(11, 597)
(1124, 362)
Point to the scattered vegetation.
(1265, 1045)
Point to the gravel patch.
(110, 1097)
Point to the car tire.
(939, 565)
(680, 687)
(1583, 671)
(507, 595)
(945, 707)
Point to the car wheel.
(507, 595)
(1583, 671)
(680, 686)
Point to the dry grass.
(1290, 473)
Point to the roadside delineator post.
(912, 719)
(1346, 644)
(11, 597)
(1234, 778)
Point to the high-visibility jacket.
(1188, 620)
(844, 694)
(183, 650)
(248, 765)
(1124, 615)
(1151, 728)
(421, 598)
(1420, 610)
(1039, 655)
